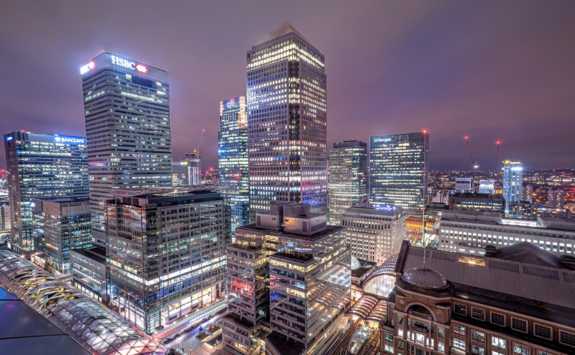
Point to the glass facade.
(512, 184)
(233, 159)
(166, 253)
(127, 111)
(347, 177)
(65, 226)
(286, 102)
(97, 328)
(41, 166)
(398, 170)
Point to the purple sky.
(487, 68)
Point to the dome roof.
(424, 278)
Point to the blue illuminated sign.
(67, 139)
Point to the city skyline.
(512, 71)
(298, 242)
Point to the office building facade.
(287, 129)
(5, 219)
(373, 234)
(347, 177)
(41, 166)
(65, 225)
(166, 254)
(398, 170)
(512, 177)
(471, 233)
(457, 304)
(233, 159)
(90, 272)
(291, 271)
(127, 112)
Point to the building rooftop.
(25, 331)
(91, 324)
(299, 257)
(168, 197)
(96, 253)
(367, 208)
(489, 218)
(425, 278)
(477, 195)
(509, 273)
(328, 230)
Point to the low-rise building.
(515, 300)
(471, 232)
(289, 282)
(373, 234)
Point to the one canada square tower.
(286, 99)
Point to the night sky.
(490, 69)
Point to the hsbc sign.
(128, 64)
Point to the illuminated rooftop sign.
(67, 139)
(86, 68)
(114, 60)
(128, 64)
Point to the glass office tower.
(512, 184)
(167, 255)
(347, 177)
(286, 99)
(41, 166)
(233, 159)
(127, 111)
(398, 170)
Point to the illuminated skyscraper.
(41, 166)
(127, 110)
(347, 178)
(286, 98)
(512, 184)
(398, 170)
(233, 159)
